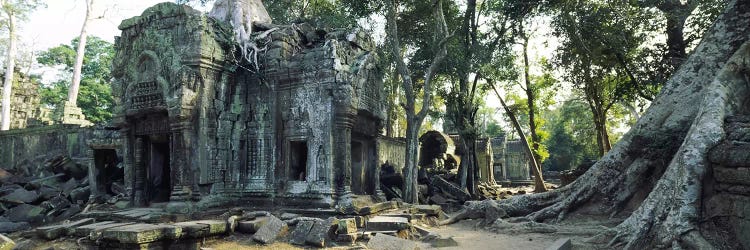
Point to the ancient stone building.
(24, 103)
(511, 164)
(200, 124)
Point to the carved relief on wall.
(146, 95)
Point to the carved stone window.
(146, 95)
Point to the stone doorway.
(109, 176)
(361, 159)
(158, 172)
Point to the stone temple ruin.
(302, 130)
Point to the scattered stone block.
(12, 227)
(348, 238)
(272, 229)
(25, 212)
(6, 243)
(409, 216)
(360, 220)
(251, 226)
(57, 231)
(202, 228)
(141, 233)
(375, 208)
(80, 194)
(386, 223)
(347, 226)
(387, 242)
(433, 210)
(560, 244)
(299, 234)
(86, 230)
(450, 189)
(288, 216)
(321, 231)
(20, 195)
(439, 242)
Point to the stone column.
(178, 163)
(127, 163)
(376, 176)
(343, 119)
(139, 169)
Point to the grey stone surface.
(202, 228)
(387, 242)
(98, 227)
(268, 233)
(12, 227)
(21, 195)
(141, 233)
(251, 226)
(347, 226)
(300, 232)
(560, 244)
(387, 223)
(25, 212)
(321, 232)
(450, 189)
(57, 231)
(440, 242)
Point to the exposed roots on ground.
(658, 168)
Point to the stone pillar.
(178, 163)
(376, 176)
(139, 195)
(127, 163)
(343, 119)
(93, 173)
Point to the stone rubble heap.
(53, 193)
(403, 227)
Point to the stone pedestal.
(69, 113)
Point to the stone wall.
(25, 150)
(516, 161)
(392, 151)
(24, 101)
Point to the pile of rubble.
(402, 226)
(54, 192)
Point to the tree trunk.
(530, 99)
(539, 186)
(410, 170)
(73, 90)
(9, 66)
(664, 156)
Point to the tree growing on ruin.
(14, 11)
(80, 51)
(656, 174)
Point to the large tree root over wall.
(657, 170)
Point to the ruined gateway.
(199, 124)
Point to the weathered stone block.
(57, 231)
(21, 195)
(348, 238)
(12, 227)
(97, 227)
(141, 233)
(732, 175)
(268, 233)
(6, 243)
(321, 232)
(386, 223)
(25, 212)
(428, 209)
(202, 228)
(560, 244)
(347, 226)
(387, 242)
(450, 189)
(299, 234)
(251, 226)
(288, 216)
(440, 242)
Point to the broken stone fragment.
(321, 231)
(57, 231)
(25, 212)
(288, 216)
(80, 194)
(438, 242)
(251, 226)
(202, 228)
(347, 226)
(12, 227)
(560, 244)
(428, 209)
(20, 195)
(299, 234)
(450, 189)
(141, 233)
(348, 238)
(386, 223)
(6, 243)
(272, 229)
(386, 242)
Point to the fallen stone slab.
(299, 234)
(57, 231)
(386, 223)
(6, 243)
(25, 212)
(409, 216)
(251, 226)
(86, 230)
(347, 226)
(450, 189)
(12, 227)
(387, 242)
(20, 195)
(288, 216)
(321, 232)
(272, 229)
(433, 210)
(560, 244)
(375, 208)
(348, 238)
(202, 228)
(141, 233)
(439, 242)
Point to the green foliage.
(95, 95)
(570, 140)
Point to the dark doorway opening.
(297, 160)
(158, 170)
(109, 176)
(358, 167)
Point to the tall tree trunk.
(9, 66)
(535, 169)
(530, 97)
(80, 51)
(413, 118)
(664, 157)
